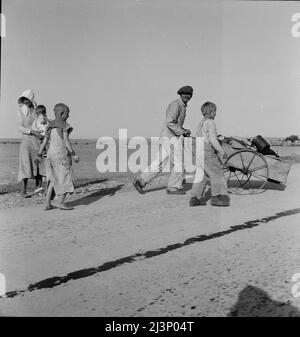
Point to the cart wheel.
(246, 172)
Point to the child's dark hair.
(26, 101)
(207, 106)
(41, 109)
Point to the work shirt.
(175, 116)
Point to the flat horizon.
(95, 139)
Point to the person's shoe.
(194, 201)
(224, 198)
(64, 207)
(176, 191)
(138, 185)
(218, 201)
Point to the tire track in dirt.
(82, 273)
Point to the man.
(170, 133)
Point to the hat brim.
(184, 93)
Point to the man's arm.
(172, 119)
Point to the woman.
(30, 142)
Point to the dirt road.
(128, 254)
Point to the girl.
(30, 142)
(59, 157)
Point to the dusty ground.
(119, 253)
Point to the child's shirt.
(40, 127)
(208, 130)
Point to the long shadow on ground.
(254, 302)
(95, 196)
(186, 187)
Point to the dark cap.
(185, 90)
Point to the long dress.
(59, 163)
(28, 149)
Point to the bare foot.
(48, 207)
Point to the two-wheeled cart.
(248, 170)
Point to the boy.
(213, 166)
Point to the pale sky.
(119, 63)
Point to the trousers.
(167, 153)
(213, 172)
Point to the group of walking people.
(45, 150)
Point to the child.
(213, 166)
(59, 157)
(41, 122)
(40, 125)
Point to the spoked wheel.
(246, 172)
